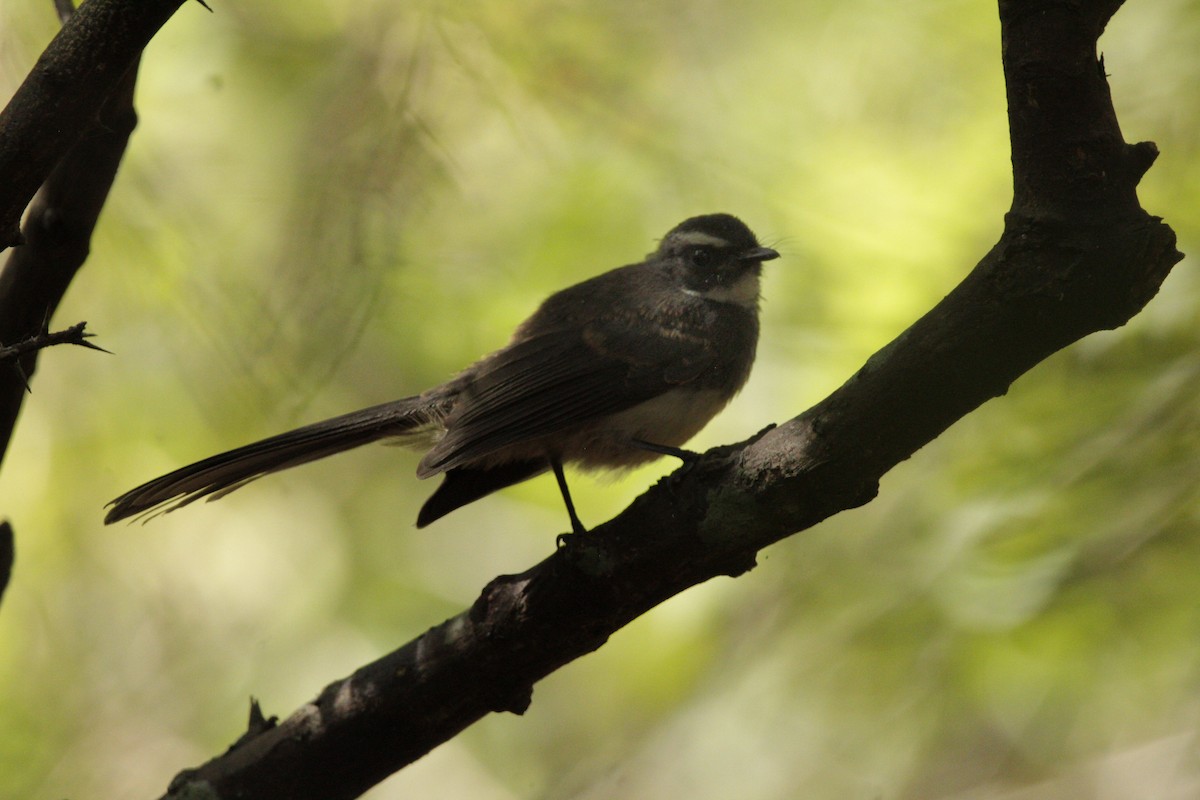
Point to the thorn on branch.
(75, 335)
(259, 723)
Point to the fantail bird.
(609, 373)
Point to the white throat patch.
(744, 292)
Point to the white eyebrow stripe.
(700, 238)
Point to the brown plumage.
(608, 373)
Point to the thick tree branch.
(65, 131)
(64, 92)
(1077, 255)
(62, 217)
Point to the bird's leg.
(576, 525)
(688, 457)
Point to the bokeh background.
(331, 204)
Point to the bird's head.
(716, 257)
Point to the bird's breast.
(669, 419)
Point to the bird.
(610, 373)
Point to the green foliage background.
(330, 204)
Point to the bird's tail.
(218, 475)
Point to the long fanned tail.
(220, 474)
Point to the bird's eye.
(701, 257)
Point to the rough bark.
(59, 101)
(65, 131)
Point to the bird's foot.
(577, 529)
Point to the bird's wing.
(555, 380)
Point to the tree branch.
(65, 131)
(1077, 255)
(76, 335)
(8, 554)
(61, 219)
(64, 92)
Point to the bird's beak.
(759, 254)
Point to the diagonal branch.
(1077, 255)
(60, 222)
(60, 99)
(65, 131)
